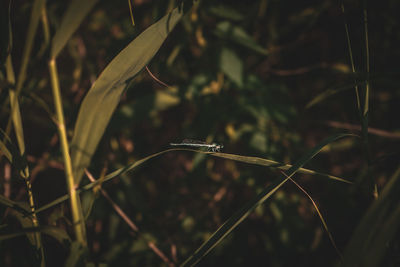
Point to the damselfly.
(194, 143)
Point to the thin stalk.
(130, 10)
(364, 125)
(363, 110)
(77, 215)
(353, 69)
(320, 216)
(25, 174)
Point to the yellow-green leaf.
(102, 99)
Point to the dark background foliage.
(242, 73)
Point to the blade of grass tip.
(244, 212)
(131, 12)
(46, 33)
(320, 216)
(38, 5)
(273, 164)
(128, 221)
(5, 152)
(59, 234)
(353, 69)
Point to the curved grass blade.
(12, 153)
(14, 205)
(102, 99)
(56, 232)
(108, 177)
(73, 17)
(275, 164)
(4, 150)
(244, 212)
(250, 160)
(377, 228)
(320, 216)
(328, 93)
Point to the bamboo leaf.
(102, 99)
(73, 17)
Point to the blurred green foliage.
(265, 78)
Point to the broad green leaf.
(226, 11)
(232, 66)
(377, 229)
(102, 99)
(244, 212)
(238, 35)
(73, 17)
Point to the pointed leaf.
(232, 66)
(73, 17)
(102, 99)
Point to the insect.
(213, 147)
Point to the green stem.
(77, 215)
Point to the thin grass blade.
(245, 159)
(243, 213)
(56, 232)
(275, 164)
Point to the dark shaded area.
(247, 74)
